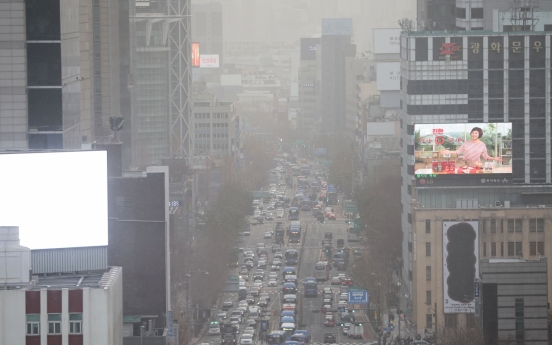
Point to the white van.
(288, 326)
(254, 313)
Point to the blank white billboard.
(388, 76)
(387, 41)
(460, 265)
(58, 199)
(209, 61)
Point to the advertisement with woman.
(462, 148)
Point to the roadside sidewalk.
(395, 327)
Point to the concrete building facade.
(307, 84)
(514, 300)
(483, 78)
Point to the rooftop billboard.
(57, 199)
(480, 151)
(387, 41)
(308, 48)
(388, 76)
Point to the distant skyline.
(289, 20)
(57, 199)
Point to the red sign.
(195, 54)
(449, 48)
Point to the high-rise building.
(335, 46)
(307, 84)
(161, 75)
(450, 84)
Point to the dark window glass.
(45, 141)
(428, 226)
(519, 251)
(477, 13)
(428, 249)
(538, 170)
(45, 112)
(44, 64)
(421, 49)
(43, 20)
(547, 27)
(493, 249)
(510, 248)
(460, 13)
(537, 85)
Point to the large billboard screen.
(308, 48)
(195, 54)
(57, 199)
(337, 26)
(456, 150)
(387, 41)
(209, 61)
(460, 265)
(388, 76)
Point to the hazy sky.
(289, 20)
(58, 200)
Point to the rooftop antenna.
(523, 15)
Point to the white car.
(268, 234)
(222, 315)
(272, 282)
(273, 275)
(279, 214)
(246, 339)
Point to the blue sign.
(337, 26)
(388, 329)
(341, 309)
(358, 297)
(320, 151)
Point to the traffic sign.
(388, 329)
(358, 296)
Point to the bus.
(293, 213)
(294, 235)
(277, 338)
(310, 287)
(296, 171)
(353, 234)
(291, 256)
(306, 169)
(303, 182)
(322, 270)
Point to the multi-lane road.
(310, 250)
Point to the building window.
(460, 13)
(540, 248)
(510, 225)
(518, 249)
(429, 320)
(493, 226)
(428, 272)
(54, 323)
(532, 248)
(502, 225)
(519, 225)
(520, 326)
(477, 13)
(532, 225)
(493, 249)
(502, 249)
(428, 249)
(510, 248)
(450, 320)
(428, 297)
(484, 249)
(75, 323)
(540, 224)
(33, 324)
(428, 226)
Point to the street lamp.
(435, 311)
(189, 283)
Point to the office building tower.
(307, 85)
(500, 192)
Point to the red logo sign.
(449, 49)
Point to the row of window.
(208, 116)
(497, 225)
(476, 13)
(54, 324)
(514, 249)
(207, 136)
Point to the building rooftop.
(471, 33)
(101, 279)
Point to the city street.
(310, 251)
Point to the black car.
(329, 338)
(227, 305)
